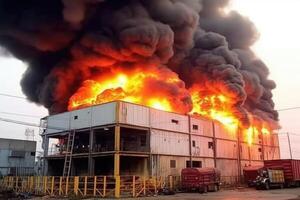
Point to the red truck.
(290, 167)
(201, 179)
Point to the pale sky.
(278, 46)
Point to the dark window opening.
(195, 127)
(32, 153)
(143, 141)
(210, 145)
(193, 143)
(75, 117)
(172, 163)
(175, 121)
(197, 164)
(259, 149)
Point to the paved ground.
(238, 194)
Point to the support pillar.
(214, 144)
(91, 161)
(45, 161)
(117, 151)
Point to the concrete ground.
(237, 194)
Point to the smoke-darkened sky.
(277, 46)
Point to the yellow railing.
(90, 186)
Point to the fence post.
(171, 182)
(52, 186)
(85, 186)
(133, 186)
(60, 186)
(76, 183)
(104, 186)
(117, 186)
(144, 185)
(45, 184)
(155, 185)
(95, 186)
(67, 185)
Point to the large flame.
(137, 87)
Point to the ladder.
(68, 156)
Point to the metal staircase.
(68, 156)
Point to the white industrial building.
(17, 157)
(120, 138)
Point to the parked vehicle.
(201, 179)
(268, 178)
(291, 169)
(251, 173)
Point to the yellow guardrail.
(90, 186)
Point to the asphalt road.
(237, 194)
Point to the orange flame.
(137, 87)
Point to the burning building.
(184, 56)
(120, 138)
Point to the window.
(17, 154)
(197, 164)
(193, 143)
(195, 127)
(210, 145)
(143, 141)
(259, 149)
(32, 153)
(172, 163)
(175, 121)
(75, 117)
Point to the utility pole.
(290, 148)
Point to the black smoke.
(65, 42)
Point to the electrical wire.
(20, 114)
(13, 96)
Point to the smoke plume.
(67, 42)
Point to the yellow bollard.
(117, 186)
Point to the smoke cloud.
(66, 42)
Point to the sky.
(278, 46)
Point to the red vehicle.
(251, 173)
(291, 169)
(201, 179)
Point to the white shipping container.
(168, 121)
(171, 143)
(81, 118)
(104, 114)
(223, 132)
(226, 149)
(134, 114)
(201, 127)
(256, 152)
(58, 123)
(244, 151)
(201, 146)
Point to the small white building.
(120, 138)
(17, 157)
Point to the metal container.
(290, 167)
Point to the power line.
(13, 96)
(28, 124)
(291, 108)
(20, 114)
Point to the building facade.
(120, 138)
(17, 157)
